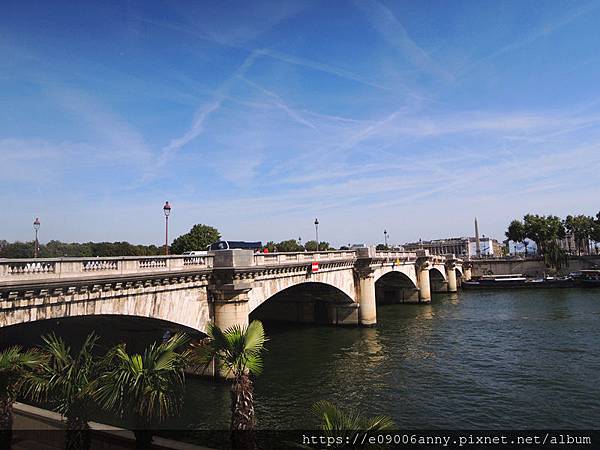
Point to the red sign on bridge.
(315, 267)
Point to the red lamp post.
(167, 211)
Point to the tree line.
(199, 237)
(58, 249)
(548, 232)
(147, 389)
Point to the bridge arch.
(267, 286)
(308, 302)
(438, 280)
(176, 304)
(396, 287)
(137, 332)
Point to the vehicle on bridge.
(229, 245)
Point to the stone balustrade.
(24, 270)
(265, 259)
(20, 270)
(393, 255)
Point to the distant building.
(519, 249)
(461, 246)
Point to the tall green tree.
(148, 387)
(516, 233)
(582, 228)
(68, 380)
(595, 236)
(237, 353)
(271, 247)
(311, 246)
(290, 245)
(15, 364)
(198, 238)
(543, 230)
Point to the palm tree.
(67, 380)
(237, 353)
(338, 424)
(14, 364)
(149, 387)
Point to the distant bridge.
(226, 287)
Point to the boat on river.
(517, 281)
(588, 278)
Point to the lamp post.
(317, 232)
(36, 227)
(167, 211)
(385, 238)
(300, 241)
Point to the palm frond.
(333, 419)
(149, 385)
(236, 350)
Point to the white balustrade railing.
(20, 270)
(403, 256)
(265, 259)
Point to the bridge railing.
(265, 259)
(18, 270)
(393, 255)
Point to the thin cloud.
(539, 33)
(385, 22)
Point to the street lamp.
(36, 227)
(300, 241)
(167, 211)
(385, 238)
(317, 232)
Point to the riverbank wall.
(531, 267)
(39, 429)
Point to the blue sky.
(257, 117)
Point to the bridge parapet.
(39, 269)
(265, 259)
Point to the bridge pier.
(467, 271)
(367, 309)
(451, 275)
(423, 266)
(230, 311)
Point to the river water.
(482, 359)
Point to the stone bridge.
(226, 287)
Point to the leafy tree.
(516, 233)
(311, 246)
(582, 228)
(291, 245)
(543, 230)
(270, 247)
(14, 365)
(58, 249)
(68, 381)
(237, 352)
(148, 386)
(335, 422)
(595, 235)
(18, 250)
(198, 238)
(554, 256)
(382, 247)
